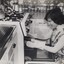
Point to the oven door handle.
(14, 45)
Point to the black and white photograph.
(31, 31)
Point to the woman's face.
(51, 24)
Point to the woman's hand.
(36, 44)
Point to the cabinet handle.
(14, 45)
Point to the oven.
(37, 56)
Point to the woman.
(55, 20)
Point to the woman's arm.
(36, 44)
(57, 46)
(41, 45)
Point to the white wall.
(20, 1)
(42, 1)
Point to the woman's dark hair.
(56, 15)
